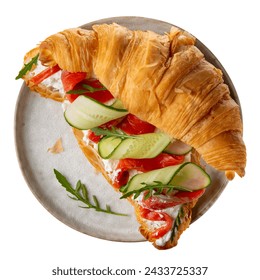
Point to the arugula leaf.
(153, 189)
(111, 132)
(92, 89)
(76, 91)
(177, 222)
(80, 193)
(27, 67)
(86, 89)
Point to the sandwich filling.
(152, 170)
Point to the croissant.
(163, 80)
(185, 95)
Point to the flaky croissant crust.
(163, 79)
(94, 158)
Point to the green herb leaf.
(96, 202)
(27, 67)
(92, 89)
(111, 132)
(76, 91)
(80, 193)
(177, 222)
(153, 189)
(86, 89)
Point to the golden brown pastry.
(159, 78)
(73, 48)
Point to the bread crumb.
(230, 175)
(57, 147)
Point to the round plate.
(40, 122)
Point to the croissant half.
(94, 158)
(165, 81)
(184, 95)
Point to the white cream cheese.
(110, 167)
(87, 141)
(39, 68)
(162, 241)
(53, 82)
(153, 225)
(173, 212)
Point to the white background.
(226, 238)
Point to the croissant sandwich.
(147, 110)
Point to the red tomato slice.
(93, 137)
(96, 138)
(101, 95)
(69, 80)
(158, 216)
(77, 81)
(121, 179)
(133, 125)
(46, 73)
(158, 202)
(148, 164)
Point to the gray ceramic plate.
(40, 122)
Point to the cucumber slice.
(178, 148)
(110, 144)
(118, 104)
(142, 146)
(86, 113)
(187, 176)
(163, 175)
(191, 176)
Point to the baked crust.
(91, 154)
(169, 75)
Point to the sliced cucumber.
(187, 176)
(177, 147)
(163, 175)
(142, 146)
(110, 144)
(86, 113)
(118, 104)
(191, 176)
